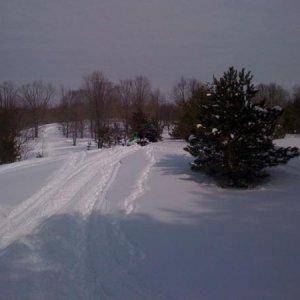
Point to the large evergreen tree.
(233, 135)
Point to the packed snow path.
(136, 223)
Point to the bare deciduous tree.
(72, 113)
(185, 89)
(125, 89)
(156, 99)
(37, 96)
(99, 91)
(272, 94)
(141, 91)
(76, 114)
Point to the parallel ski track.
(140, 185)
(80, 186)
(72, 188)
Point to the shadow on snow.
(105, 257)
(238, 244)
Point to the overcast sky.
(62, 40)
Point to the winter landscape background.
(99, 98)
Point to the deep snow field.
(136, 223)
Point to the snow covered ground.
(136, 223)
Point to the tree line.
(111, 113)
(188, 94)
(116, 112)
(21, 108)
(106, 112)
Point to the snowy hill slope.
(136, 223)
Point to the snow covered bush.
(233, 137)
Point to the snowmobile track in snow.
(76, 187)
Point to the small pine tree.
(10, 147)
(233, 137)
(153, 131)
(138, 123)
(145, 128)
